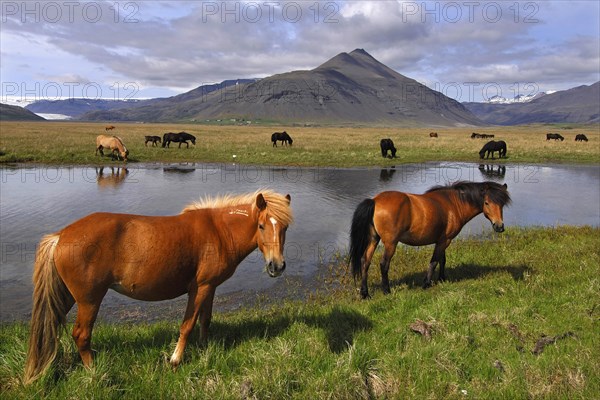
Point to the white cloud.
(175, 46)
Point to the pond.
(40, 200)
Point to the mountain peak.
(358, 64)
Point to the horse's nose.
(275, 269)
(499, 227)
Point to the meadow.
(74, 143)
(519, 317)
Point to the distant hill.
(16, 113)
(580, 105)
(349, 88)
(76, 107)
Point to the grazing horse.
(114, 144)
(387, 145)
(555, 136)
(181, 137)
(433, 134)
(491, 147)
(153, 139)
(109, 128)
(435, 217)
(283, 137)
(476, 135)
(581, 138)
(200, 249)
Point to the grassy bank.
(74, 143)
(504, 295)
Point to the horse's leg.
(384, 265)
(442, 276)
(198, 299)
(432, 264)
(364, 268)
(439, 256)
(82, 330)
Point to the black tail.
(360, 233)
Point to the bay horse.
(114, 144)
(435, 217)
(200, 249)
(109, 128)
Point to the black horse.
(476, 135)
(153, 139)
(491, 147)
(387, 145)
(555, 136)
(581, 138)
(181, 137)
(283, 137)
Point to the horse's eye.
(261, 227)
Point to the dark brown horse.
(435, 217)
(200, 249)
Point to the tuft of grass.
(74, 143)
(502, 296)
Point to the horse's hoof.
(426, 284)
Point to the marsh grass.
(74, 143)
(501, 297)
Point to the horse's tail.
(360, 233)
(51, 303)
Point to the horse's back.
(413, 219)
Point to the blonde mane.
(277, 205)
(121, 142)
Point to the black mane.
(474, 192)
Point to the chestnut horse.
(435, 217)
(114, 144)
(200, 249)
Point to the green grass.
(74, 143)
(502, 295)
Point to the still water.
(41, 200)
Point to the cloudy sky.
(468, 50)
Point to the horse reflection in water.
(199, 249)
(113, 180)
(435, 217)
(386, 174)
(492, 171)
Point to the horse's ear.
(289, 198)
(261, 203)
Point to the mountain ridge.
(579, 105)
(348, 88)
